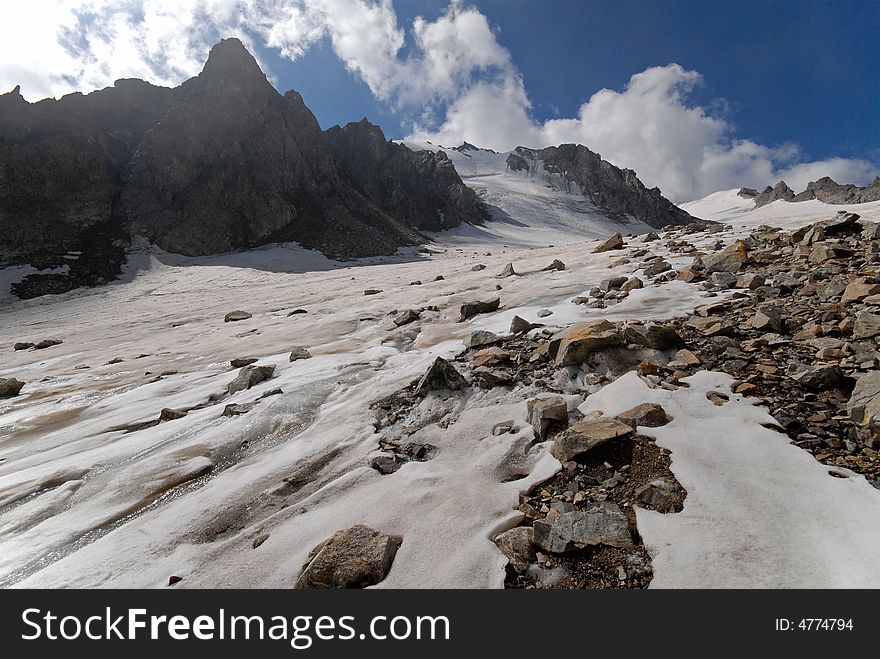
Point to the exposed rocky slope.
(223, 161)
(388, 173)
(825, 189)
(617, 192)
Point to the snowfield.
(84, 503)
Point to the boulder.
(471, 309)
(490, 357)
(749, 280)
(517, 544)
(406, 317)
(480, 338)
(234, 409)
(656, 337)
(47, 343)
(730, 259)
(768, 319)
(586, 435)
(353, 558)
(10, 387)
(603, 524)
(821, 378)
(169, 414)
(867, 325)
(650, 415)
(614, 242)
(556, 265)
(440, 375)
(656, 268)
(22, 345)
(632, 284)
(542, 412)
(298, 352)
(574, 344)
(250, 376)
(241, 362)
(478, 267)
(864, 405)
(661, 496)
(858, 290)
(521, 326)
(508, 271)
(234, 316)
(612, 283)
(372, 291)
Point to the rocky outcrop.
(222, 162)
(769, 195)
(421, 188)
(617, 192)
(825, 189)
(831, 192)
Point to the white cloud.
(455, 79)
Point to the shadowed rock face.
(421, 188)
(769, 195)
(222, 162)
(617, 192)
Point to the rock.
(730, 259)
(508, 271)
(234, 316)
(649, 415)
(542, 412)
(614, 242)
(586, 435)
(440, 375)
(406, 317)
(386, 464)
(656, 268)
(612, 284)
(689, 274)
(867, 325)
(632, 284)
(296, 312)
(298, 352)
(778, 191)
(480, 338)
(574, 344)
(353, 558)
(517, 545)
(749, 280)
(654, 336)
(47, 343)
(488, 377)
(543, 313)
(241, 362)
(864, 405)
(372, 291)
(821, 378)
(709, 325)
(650, 237)
(490, 357)
(439, 278)
(173, 579)
(603, 524)
(271, 392)
(660, 495)
(521, 326)
(22, 345)
(504, 427)
(10, 387)
(250, 376)
(471, 309)
(687, 358)
(234, 409)
(556, 265)
(478, 267)
(169, 414)
(858, 290)
(768, 319)
(820, 254)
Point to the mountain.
(558, 194)
(221, 162)
(825, 190)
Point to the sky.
(696, 96)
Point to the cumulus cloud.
(450, 80)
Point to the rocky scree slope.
(221, 162)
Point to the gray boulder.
(353, 558)
(603, 524)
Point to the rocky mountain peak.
(769, 195)
(231, 66)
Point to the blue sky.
(695, 95)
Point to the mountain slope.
(554, 195)
(222, 162)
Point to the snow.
(529, 208)
(760, 512)
(728, 207)
(83, 503)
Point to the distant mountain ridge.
(825, 189)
